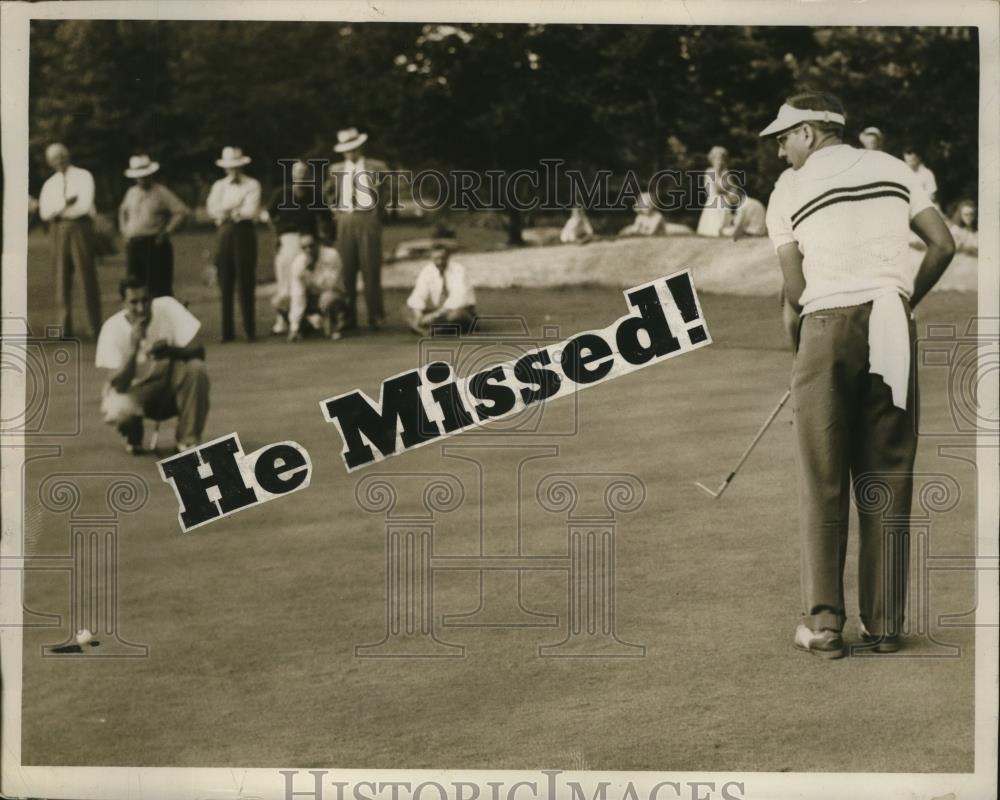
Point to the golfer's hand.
(792, 321)
(161, 349)
(137, 334)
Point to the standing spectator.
(840, 219)
(147, 217)
(67, 202)
(358, 183)
(965, 227)
(577, 228)
(442, 294)
(721, 197)
(234, 204)
(924, 175)
(871, 138)
(292, 215)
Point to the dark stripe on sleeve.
(851, 198)
(863, 187)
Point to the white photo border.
(260, 782)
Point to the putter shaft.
(746, 453)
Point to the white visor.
(789, 117)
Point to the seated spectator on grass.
(577, 229)
(442, 296)
(155, 367)
(314, 298)
(964, 227)
(749, 219)
(648, 220)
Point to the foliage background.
(485, 96)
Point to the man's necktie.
(444, 291)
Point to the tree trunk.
(514, 222)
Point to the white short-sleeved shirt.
(169, 320)
(849, 211)
(426, 293)
(927, 179)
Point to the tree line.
(485, 96)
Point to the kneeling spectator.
(155, 367)
(315, 295)
(442, 294)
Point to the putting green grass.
(252, 621)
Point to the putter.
(746, 453)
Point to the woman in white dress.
(716, 213)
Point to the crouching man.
(155, 367)
(442, 294)
(315, 298)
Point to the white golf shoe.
(825, 644)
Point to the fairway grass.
(252, 621)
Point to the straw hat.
(140, 166)
(349, 139)
(232, 157)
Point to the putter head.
(708, 491)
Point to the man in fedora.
(358, 184)
(147, 217)
(234, 204)
(67, 203)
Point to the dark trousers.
(180, 392)
(359, 242)
(73, 250)
(153, 262)
(237, 263)
(851, 436)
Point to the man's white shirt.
(227, 197)
(426, 294)
(927, 179)
(62, 185)
(355, 179)
(169, 320)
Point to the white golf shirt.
(849, 212)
